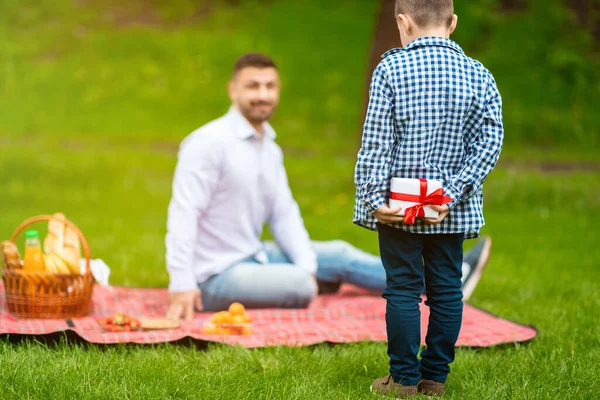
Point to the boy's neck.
(437, 31)
(441, 31)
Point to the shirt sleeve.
(482, 153)
(372, 172)
(288, 228)
(196, 175)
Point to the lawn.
(95, 97)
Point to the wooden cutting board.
(158, 323)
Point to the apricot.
(236, 309)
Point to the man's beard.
(252, 113)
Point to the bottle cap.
(32, 234)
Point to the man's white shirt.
(228, 183)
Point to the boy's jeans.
(279, 284)
(407, 259)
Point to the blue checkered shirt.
(433, 113)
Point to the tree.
(386, 37)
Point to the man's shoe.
(430, 388)
(477, 259)
(387, 387)
(328, 287)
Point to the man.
(230, 181)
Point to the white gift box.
(412, 187)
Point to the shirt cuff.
(455, 195)
(182, 281)
(373, 201)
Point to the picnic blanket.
(351, 315)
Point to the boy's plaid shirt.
(433, 113)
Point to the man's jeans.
(280, 284)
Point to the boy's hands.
(386, 215)
(443, 210)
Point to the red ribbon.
(411, 213)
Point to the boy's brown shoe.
(387, 387)
(430, 388)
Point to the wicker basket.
(44, 295)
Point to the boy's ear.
(404, 23)
(453, 23)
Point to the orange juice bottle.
(33, 260)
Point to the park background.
(95, 97)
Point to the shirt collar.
(244, 129)
(427, 41)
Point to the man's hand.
(443, 210)
(386, 215)
(181, 304)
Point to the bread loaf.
(71, 251)
(10, 255)
(55, 239)
(63, 241)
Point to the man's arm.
(482, 153)
(288, 228)
(195, 178)
(372, 172)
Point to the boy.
(433, 113)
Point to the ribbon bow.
(411, 213)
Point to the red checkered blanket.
(349, 316)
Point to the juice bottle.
(33, 260)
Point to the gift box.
(415, 197)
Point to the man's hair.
(256, 60)
(427, 12)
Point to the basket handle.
(39, 218)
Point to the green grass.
(92, 111)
